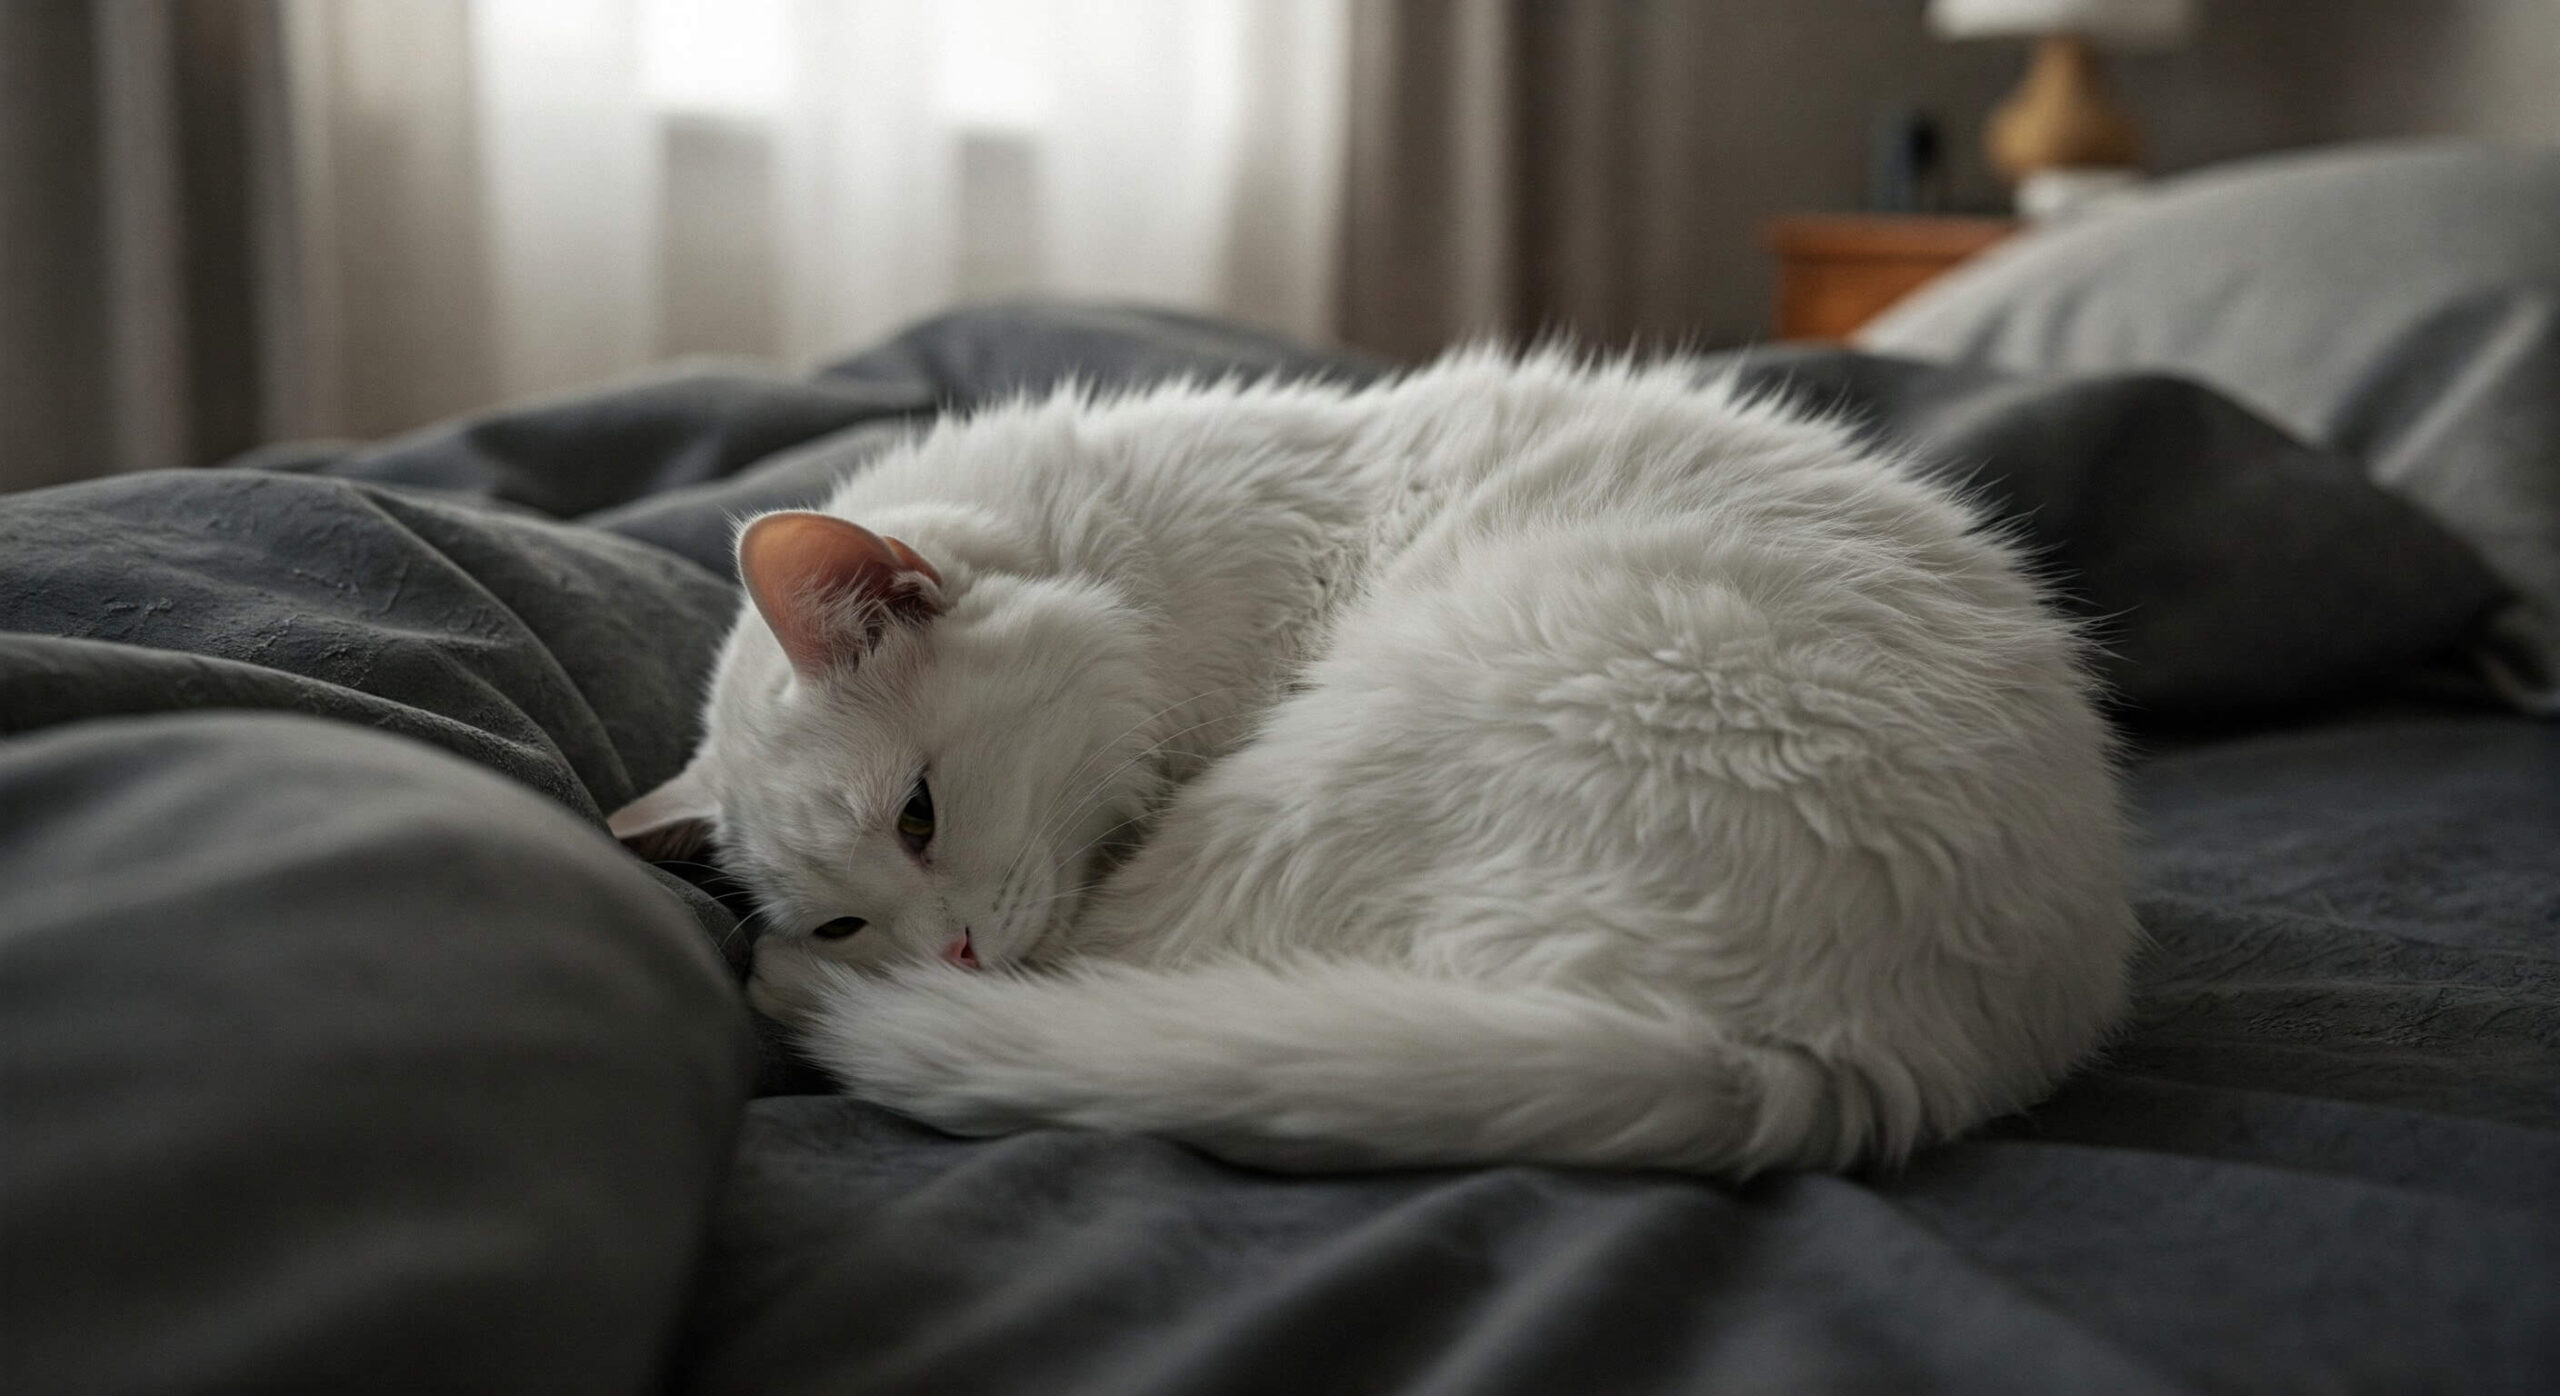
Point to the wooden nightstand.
(1837, 271)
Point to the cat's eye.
(839, 928)
(915, 822)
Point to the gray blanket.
(340, 1048)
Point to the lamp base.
(2061, 115)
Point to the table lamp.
(2061, 130)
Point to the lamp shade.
(2116, 23)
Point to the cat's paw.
(788, 982)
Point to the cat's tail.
(1330, 1065)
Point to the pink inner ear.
(802, 568)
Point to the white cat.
(1534, 762)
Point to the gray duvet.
(340, 1049)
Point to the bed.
(344, 1050)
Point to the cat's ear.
(673, 821)
(827, 588)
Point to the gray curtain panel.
(144, 201)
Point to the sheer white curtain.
(497, 198)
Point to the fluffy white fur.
(1527, 760)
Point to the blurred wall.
(1607, 166)
(2267, 74)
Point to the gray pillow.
(2398, 303)
(331, 1062)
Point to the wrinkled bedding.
(340, 1048)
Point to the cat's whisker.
(1090, 843)
(1078, 890)
(743, 925)
(1132, 730)
(1140, 725)
(1099, 788)
(713, 868)
(1048, 826)
(1042, 822)
(1029, 908)
(1041, 908)
(1103, 785)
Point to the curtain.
(235, 221)
(618, 182)
(1593, 170)
(228, 221)
(129, 194)
(1603, 169)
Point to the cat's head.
(904, 758)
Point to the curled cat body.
(1523, 760)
